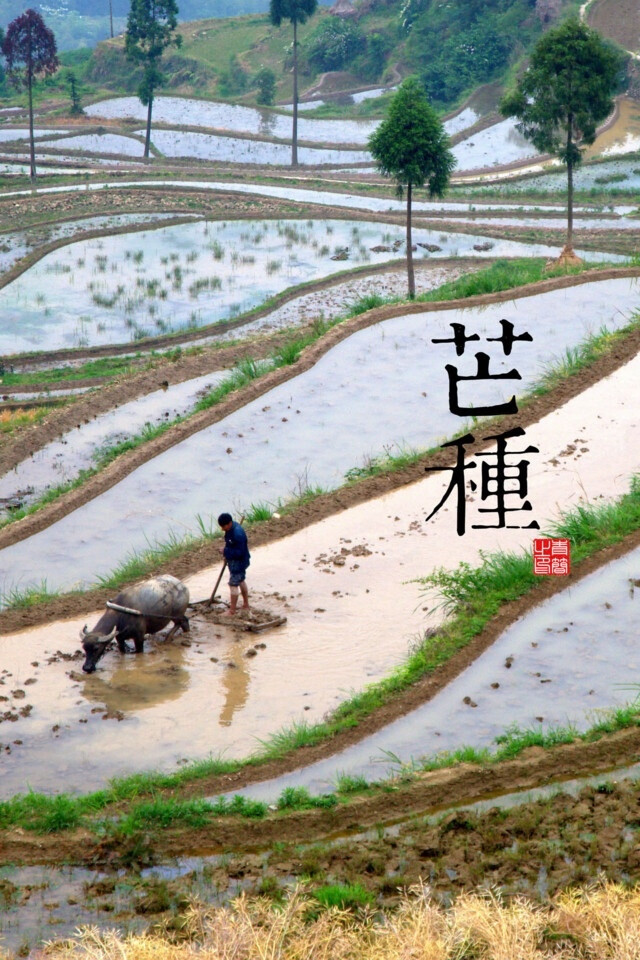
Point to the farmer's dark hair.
(224, 519)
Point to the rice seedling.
(21, 598)
(273, 266)
(258, 512)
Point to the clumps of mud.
(254, 620)
(340, 559)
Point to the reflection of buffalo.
(144, 608)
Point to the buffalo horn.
(84, 632)
(111, 635)
(120, 609)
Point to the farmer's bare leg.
(234, 591)
(245, 595)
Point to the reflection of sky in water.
(572, 656)
(225, 116)
(62, 459)
(205, 146)
(315, 426)
(498, 144)
(99, 143)
(97, 291)
(16, 244)
(584, 177)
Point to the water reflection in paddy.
(315, 426)
(574, 655)
(63, 459)
(119, 288)
(179, 111)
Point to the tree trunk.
(294, 139)
(111, 16)
(32, 149)
(147, 139)
(569, 243)
(410, 273)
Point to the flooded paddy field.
(183, 112)
(565, 663)
(204, 146)
(123, 288)
(43, 903)
(623, 173)
(499, 144)
(98, 143)
(303, 433)
(14, 245)
(62, 460)
(349, 576)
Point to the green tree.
(151, 28)
(74, 94)
(265, 81)
(334, 43)
(411, 146)
(29, 49)
(296, 11)
(563, 95)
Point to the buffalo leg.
(180, 624)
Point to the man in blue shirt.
(236, 553)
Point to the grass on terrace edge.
(144, 562)
(471, 596)
(502, 275)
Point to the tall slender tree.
(411, 146)
(563, 95)
(296, 11)
(151, 28)
(29, 49)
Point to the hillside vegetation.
(453, 47)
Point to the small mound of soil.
(242, 620)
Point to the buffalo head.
(95, 645)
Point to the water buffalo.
(143, 608)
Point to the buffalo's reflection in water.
(139, 681)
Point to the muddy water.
(224, 116)
(623, 136)
(63, 459)
(346, 586)
(50, 903)
(571, 658)
(311, 430)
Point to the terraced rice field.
(346, 563)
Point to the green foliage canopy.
(411, 145)
(334, 44)
(566, 90)
(297, 11)
(151, 27)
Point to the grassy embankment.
(500, 276)
(473, 597)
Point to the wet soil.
(534, 849)
(125, 464)
(430, 792)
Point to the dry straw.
(601, 922)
